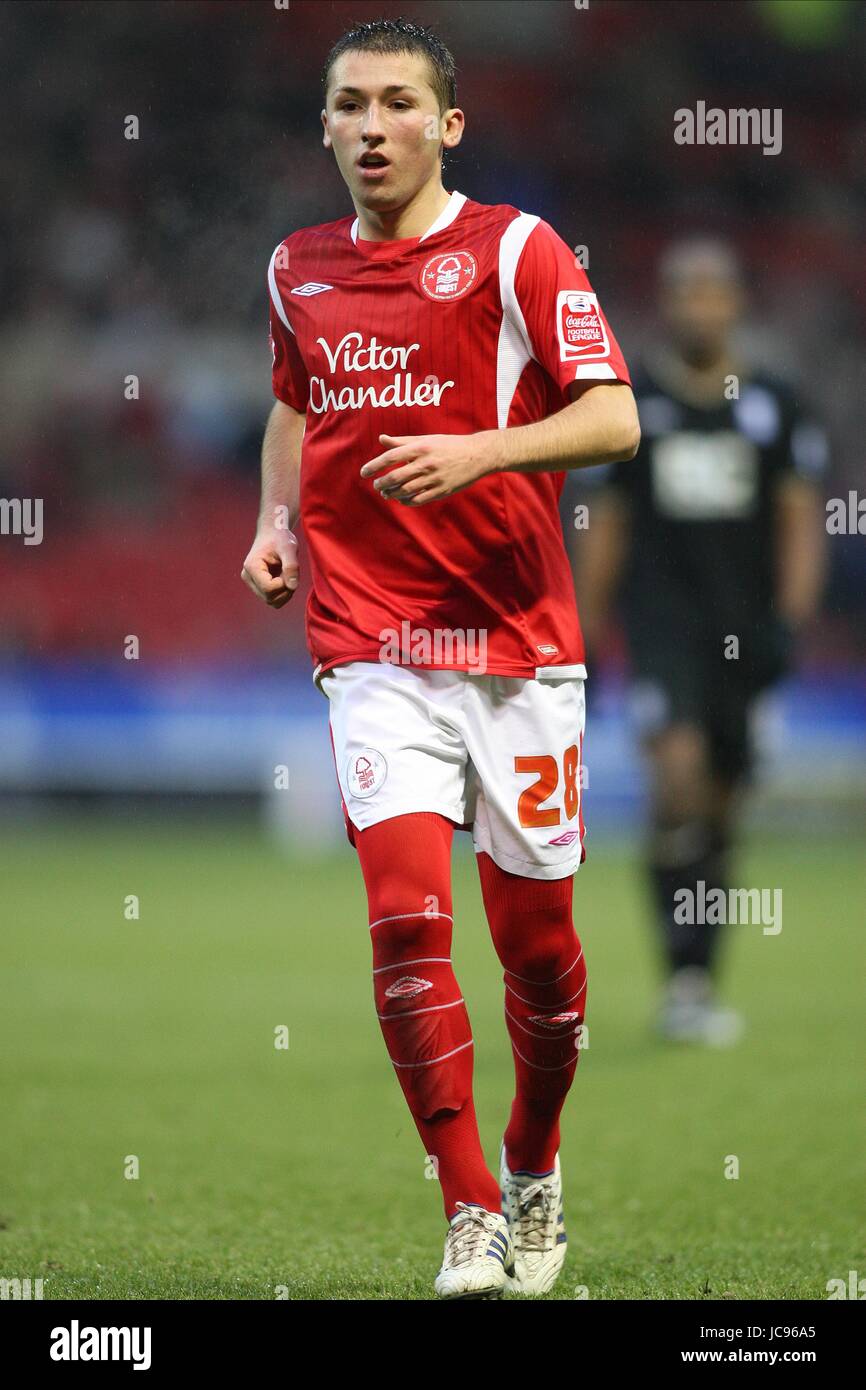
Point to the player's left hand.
(424, 467)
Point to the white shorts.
(499, 753)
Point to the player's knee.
(681, 775)
(546, 961)
(678, 841)
(412, 930)
(538, 941)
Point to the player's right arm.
(800, 541)
(271, 566)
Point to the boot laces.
(468, 1237)
(536, 1220)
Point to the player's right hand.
(271, 567)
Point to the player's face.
(383, 123)
(700, 312)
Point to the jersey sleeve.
(567, 330)
(801, 449)
(807, 452)
(289, 376)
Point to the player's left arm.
(800, 551)
(800, 466)
(599, 425)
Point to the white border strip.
(275, 294)
(553, 673)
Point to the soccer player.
(438, 363)
(716, 534)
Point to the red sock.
(545, 997)
(406, 862)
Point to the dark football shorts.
(673, 684)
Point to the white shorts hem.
(528, 868)
(453, 813)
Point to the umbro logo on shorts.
(567, 839)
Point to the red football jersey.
(479, 324)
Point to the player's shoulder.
(317, 237)
(767, 404)
(773, 408)
(497, 218)
(525, 246)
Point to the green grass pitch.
(300, 1168)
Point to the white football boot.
(689, 1013)
(478, 1255)
(533, 1207)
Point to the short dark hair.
(400, 36)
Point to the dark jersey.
(701, 494)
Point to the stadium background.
(147, 257)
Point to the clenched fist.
(271, 567)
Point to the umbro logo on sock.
(407, 986)
(555, 1020)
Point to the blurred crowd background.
(147, 257)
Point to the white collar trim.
(445, 218)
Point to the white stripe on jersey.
(514, 348)
(275, 294)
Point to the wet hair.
(399, 36)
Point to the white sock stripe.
(544, 1037)
(537, 1066)
(422, 960)
(553, 1008)
(400, 916)
(433, 1060)
(525, 981)
(410, 1013)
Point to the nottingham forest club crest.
(366, 770)
(449, 276)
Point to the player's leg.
(681, 848)
(401, 769)
(545, 1000)
(687, 863)
(525, 738)
(545, 1003)
(407, 872)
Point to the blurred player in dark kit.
(714, 536)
